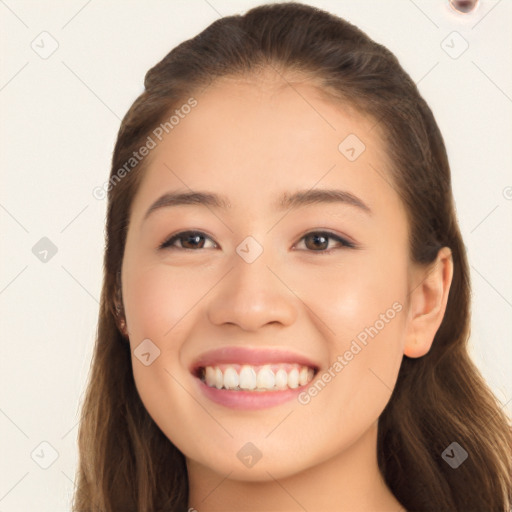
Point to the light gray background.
(59, 119)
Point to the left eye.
(191, 237)
(318, 241)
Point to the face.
(298, 309)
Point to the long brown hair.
(125, 462)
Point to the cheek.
(158, 299)
(350, 296)
(361, 309)
(159, 303)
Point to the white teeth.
(303, 376)
(257, 378)
(231, 378)
(281, 379)
(210, 376)
(247, 377)
(293, 379)
(219, 378)
(266, 378)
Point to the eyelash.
(344, 243)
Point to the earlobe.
(121, 321)
(428, 300)
(119, 309)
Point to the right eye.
(189, 240)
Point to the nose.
(252, 295)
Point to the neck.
(348, 482)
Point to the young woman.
(285, 310)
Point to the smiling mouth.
(246, 377)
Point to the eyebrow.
(285, 202)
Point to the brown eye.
(318, 241)
(188, 240)
(193, 241)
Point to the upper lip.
(252, 356)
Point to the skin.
(252, 140)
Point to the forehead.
(255, 139)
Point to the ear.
(428, 301)
(118, 308)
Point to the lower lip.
(249, 400)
